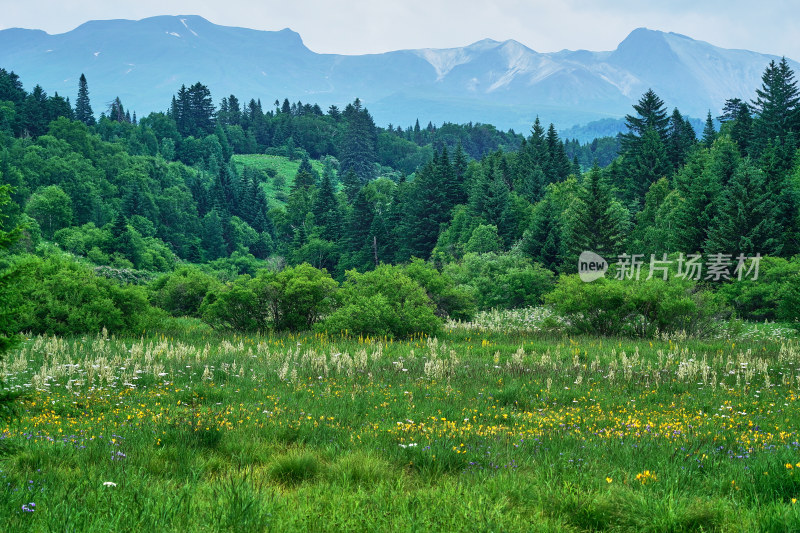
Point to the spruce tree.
(645, 163)
(558, 165)
(213, 242)
(326, 208)
(650, 114)
(680, 139)
(737, 121)
(359, 146)
(424, 212)
(709, 132)
(777, 104)
(542, 241)
(593, 222)
(83, 109)
(747, 219)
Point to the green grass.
(481, 429)
(275, 166)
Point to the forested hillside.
(235, 188)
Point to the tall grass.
(486, 427)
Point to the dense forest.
(174, 212)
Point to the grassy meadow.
(492, 426)
(276, 167)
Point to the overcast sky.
(366, 26)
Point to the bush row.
(59, 295)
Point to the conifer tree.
(326, 208)
(593, 222)
(645, 163)
(213, 241)
(709, 132)
(650, 114)
(83, 108)
(777, 104)
(737, 121)
(424, 212)
(558, 165)
(542, 241)
(747, 219)
(680, 139)
(358, 151)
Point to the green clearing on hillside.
(275, 166)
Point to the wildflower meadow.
(484, 428)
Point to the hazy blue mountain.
(505, 83)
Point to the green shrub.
(451, 301)
(292, 299)
(299, 296)
(234, 307)
(775, 295)
(63, 297)
(502, 281)
(181, 293)
(383, 302)
(634, 308)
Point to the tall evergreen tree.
(558, 165)
(709, 132)
(83, 108)
(593, 221)
(213, 241)
(359, 147)
(650, 114)
(542, 241)
(645, 163)
(777, 106)
(424, 212)
(326, 208)
(680, 139)
(737, 121)
(747, 220)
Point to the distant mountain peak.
(145, 62)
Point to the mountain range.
(505, 83)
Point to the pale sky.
(371, 26)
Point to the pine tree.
(351, 184)
(558, 165)
(680, 139)
(83, 109)
(709, 132)
(460, 170)
(747, 219)
(424, 212)
(646, 238)
(213, 242)
(702, 189)
(448, 182)
(777, 104)
(542, 240)
(593, 222)
(650, 114)
(359, 147)
(737, 121)
(644, 163)
(326, 208)
(357, 235)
